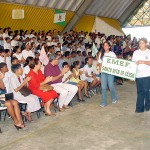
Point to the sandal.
(87, 95)
(20, 126)
(66, 107)
(28, 118)
(61, 109)
(50, 114)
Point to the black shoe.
(147, 109)
(139, 111)
(79, 100)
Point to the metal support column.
(77, 15)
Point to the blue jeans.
(143, 93)
(107, 80)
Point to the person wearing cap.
(27, 52)
(66, 91)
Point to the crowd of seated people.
(52, 66)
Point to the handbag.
(46, 87)
(6, 96)
(25, 91)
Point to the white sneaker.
(114, 102)
(102, 106)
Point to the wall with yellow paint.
(85, 24)
(112, 22)
(42, 19)
(35, 18)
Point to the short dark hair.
(15, 67)
(76, 63)
(7, 38)
(57, 52)
(64, 64)
(2, 65)
(7, 51)
(13, 59)
(28, 60)
(78, 52)
(33, 63)
(67, 53)
(73, 52)
(2, 51)
(15, 49)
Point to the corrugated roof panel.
(59, 5)
(108, 8)
(77, 4)
(123, 8)
(51, 3)
(69, 3)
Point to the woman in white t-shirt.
(107, 79)
(27, 52)
(26, 68)
(17, 53)
(142, 59)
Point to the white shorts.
(89, 79)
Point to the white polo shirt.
(7, 46)
(19, 56)
(26, 54)
(88, 69)
(109, 54)
(142, 69)
(14, 43)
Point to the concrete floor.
(85, 127)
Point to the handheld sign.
(119, 67)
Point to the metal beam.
(77, 15)
(134, 7)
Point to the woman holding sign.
(107, 79)
(142, 59)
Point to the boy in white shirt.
(90, 75)
(27, 52)
(7, 44)
(2, 56)
(8, 58)
(68, 75)
(15, 42)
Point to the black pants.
(143, 91)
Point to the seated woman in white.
(16, 84)
(26, 68)
(17, 53)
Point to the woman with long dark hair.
(142, 59)
(107, 79)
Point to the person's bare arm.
(64, 70)
(47, 79)
(143, 62)
(23, 84)
(2, 86)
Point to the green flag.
(94, 50)
(59, 17)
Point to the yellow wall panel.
(112, 22)
(35, 18)
(85, 24)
